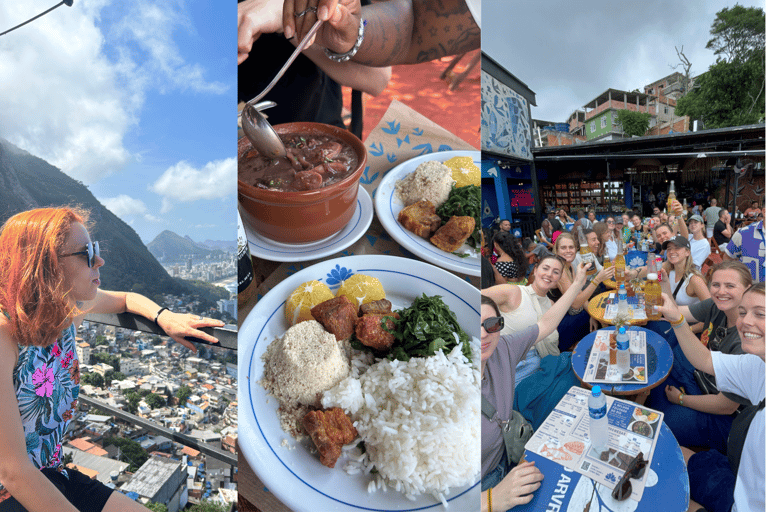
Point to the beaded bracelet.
(680, 398)
(344, 57)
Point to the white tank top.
(682, 298)
(532, 307)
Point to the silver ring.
(199, 317)
(305, 11)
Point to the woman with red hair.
(49, 280)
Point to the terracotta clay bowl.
(308, 216)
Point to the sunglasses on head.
(91, 252)
(636, 469)
(493, 324)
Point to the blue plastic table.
(659, 362)
(667, 488)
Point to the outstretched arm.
(177, 326)
(698, 355)
(552, 318)
(396, 32)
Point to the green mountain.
(27, 182)
(169, 247)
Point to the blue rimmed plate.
(388, 206)
(295, 476)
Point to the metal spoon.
(261, 134)
(296, 52)
(255, 125)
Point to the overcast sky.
(569, 52)
(135, 99)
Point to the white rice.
(418, 420)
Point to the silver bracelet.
(344, 57)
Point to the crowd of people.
(535, 292)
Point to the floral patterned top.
(47, 384)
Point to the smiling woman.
(49, 280)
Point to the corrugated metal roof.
(151, 476)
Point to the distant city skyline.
(136, 100)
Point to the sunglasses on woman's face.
(636, 469)
(493, 324)
(91, 252)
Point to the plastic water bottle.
(622, 347)
(623, 304)
(598, 420)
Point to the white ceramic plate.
(388, 206)
(296, 476)
(267, 249)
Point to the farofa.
(298, 367)
(431, 181)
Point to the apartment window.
(603, 122)
(592, 127)
(666, 110)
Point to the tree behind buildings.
(732, 91)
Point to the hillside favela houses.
(598, 119)
(154, 421)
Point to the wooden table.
(659, 363)
(668, 491)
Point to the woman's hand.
(581, 275)
(256, 17)
(669, 310)
(676, 207)
(341, 22)
(673, 394)
(518, 486)
(594, 324)
(606, 273)
(177, 326)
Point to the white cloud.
(124, 205)
(183, 183)
(75, 80)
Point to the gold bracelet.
(490, 501)
(679, 322)
(680, 398)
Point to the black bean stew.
(313, 161)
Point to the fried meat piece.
(453, 233)
(338, 316)
(370, 332)
(376, 307)
(420, 218)
(329, 429)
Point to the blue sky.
(570, 52)
(135, 99)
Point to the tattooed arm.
(396, 31)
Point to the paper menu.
(636, 308)
(564, 438)
(599, 371)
